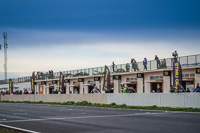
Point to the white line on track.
(16, 128)
(82, 117)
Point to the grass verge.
(8, 130)
(112, 105)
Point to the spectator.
(124, 89)
(113, 65)
(175, 54)
(95, 90)
(179, 88)
(76, 91)
(127, 67)
(197, 89)
(145, 63)
(131, 90)
(172, 89)
(158, 61)
(159, 89)
(134, 64)
(121, 88)
(33, 74)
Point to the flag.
(61, 83)
(106, 83)
(177, 74)
(33, 84)
(10, 86)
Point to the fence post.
(196, 59)
(150, 65)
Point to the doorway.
(76, 90)
(51, 89)
(188, 84)
(90, 88)
(154, 86)
(41, 89)
(132, 87)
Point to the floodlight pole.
(5, 54)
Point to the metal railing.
(185, 61)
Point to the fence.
(185, 61)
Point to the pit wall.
(182, 100)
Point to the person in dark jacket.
(113, 66)
(197, 89)
(127, 67)
(172, 89)
(145, 63)
(134, 64)
(158, 61)
(159, 89)
(175, 54)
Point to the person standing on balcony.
(134, 64)
(127, 67)
(175, 54)
(145, 63)
(158, 61)
(113, 66)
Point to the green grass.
(7, 130)
(112, 105)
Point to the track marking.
(82, 117)
(20, 129)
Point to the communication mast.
(5, 53)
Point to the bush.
(124, 105)
(69, 103)
(40, 101)
(113, 104)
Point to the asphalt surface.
(73, 119)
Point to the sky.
(63, 35)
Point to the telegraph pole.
(5, 53)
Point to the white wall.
(162, 100)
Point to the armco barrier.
(182, 100)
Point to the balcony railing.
(185, 61)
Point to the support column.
(81, 87)
(71, 89)
(117, 84)
(166, 84)
(43, 87)
(139, 85)
(67, 88)
(37, 88)
(147, 86)
(86, 89)
(197, 79)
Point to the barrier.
(182, 100)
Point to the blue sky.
(72, 34)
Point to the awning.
(153, 81)
(73, 85)
(187, 79)
(129, 83)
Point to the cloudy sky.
(65, 35)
